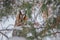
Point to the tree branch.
(4, 35)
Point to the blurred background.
(40, 20)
